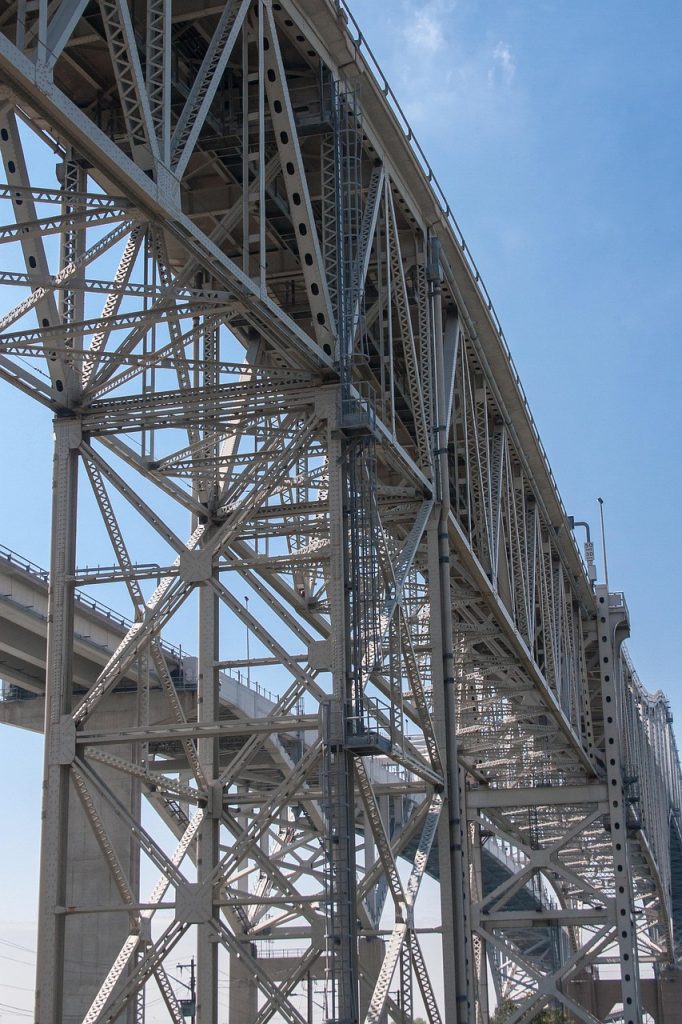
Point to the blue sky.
(554, 129)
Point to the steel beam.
(59, 739)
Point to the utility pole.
(603, 541)
(192, 1001)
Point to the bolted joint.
(68, 430)
(193, 903)
(63, 741)
(196, 566)
(214, 802)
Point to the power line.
(16, 945)
(26, 963)
(21, 1010)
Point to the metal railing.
(241, 678)
(24, 563)
(245, 680)
(286, 953)
(10, 693)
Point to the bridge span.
(275, 373)
(99, 630)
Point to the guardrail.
(121, 620)
(286, 953)
(249, 684)
(654, 780)
(9, 693)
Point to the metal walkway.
(275, 372)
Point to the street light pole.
(603, 542)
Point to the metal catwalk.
(275, 372)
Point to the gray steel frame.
(368, 468)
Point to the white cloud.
(446, 80)
(425, 25)
(504, 65)
(426, 32)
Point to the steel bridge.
(273, 369)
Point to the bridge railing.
(9, 693)
(24, 563)
(38, 572)
(653, 779)
(184, 678)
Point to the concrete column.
(243, 1005)
(670, 997)
(89, 949)
(370, 955)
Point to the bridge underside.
(23, 634)
(283, 401)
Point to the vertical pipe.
(603, 542)
(208, 711)
(389, 304)
(246, 262)
(41, 43)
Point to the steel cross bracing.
(271, 367)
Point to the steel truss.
(259, 323)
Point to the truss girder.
(339, 430)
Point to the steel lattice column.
(452, 837)
(343, 942)
(59, 728)
(611, 630)
(208, 841)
